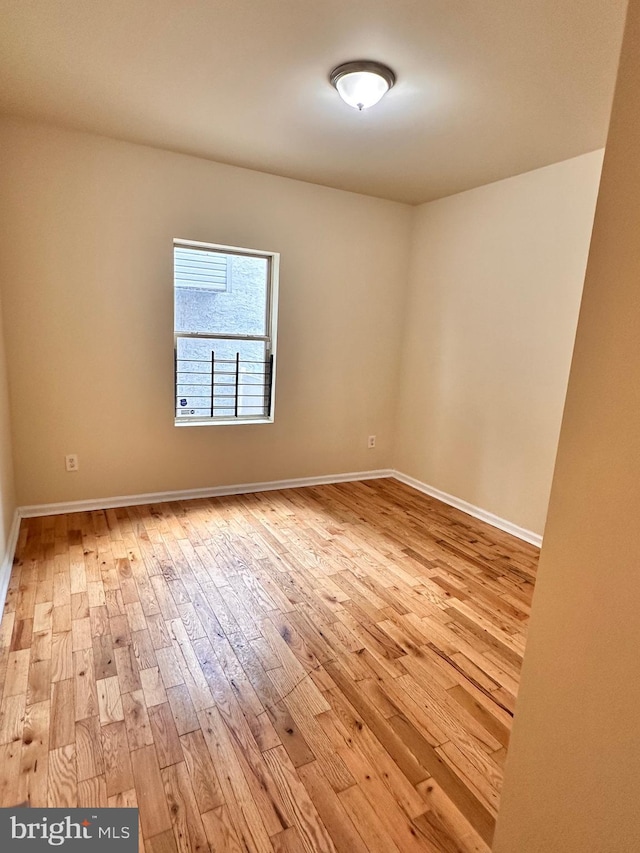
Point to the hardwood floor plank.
(12, 714)
(404, 757)
(89, 756)
(221, 831)
(62, 725)
(117, 758)
(344, 834)
(127, 669)
(359, 737)
(202, 774)
(398, 825)
(34, 756)
(184, 714)
(288, 841)
(311, 830)
(154, 809)
(446, 824)
(243, 809)
(164, 842)
(17, 677)
(92, 793)
(84, 684)
(61, 656)
(152, 686)
(136, 720)
(103, 656)
(63, 780)
(39, 683)
(183, 809)
(464, 798)
(165, 735)
(109, 700)
(491, 723)
(9, 774)
(366, 821)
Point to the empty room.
(319, 416)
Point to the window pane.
(201, 305)
(194, 371)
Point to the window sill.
(222, 422)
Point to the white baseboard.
(244, 488)
(7, 562)
(190, 494)
(470, 509)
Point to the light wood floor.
(319, 669)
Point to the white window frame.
(273, 267)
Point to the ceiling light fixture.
(362, 83)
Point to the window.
(224, 333)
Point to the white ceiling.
(486, 88)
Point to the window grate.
(251, 381)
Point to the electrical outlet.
(71, 462)
(371, 442)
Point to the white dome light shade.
(361, 84)
(361, 89)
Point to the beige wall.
(487, 321)
(574, 765)
(86, 236)
(494, 291)
(7, 490)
